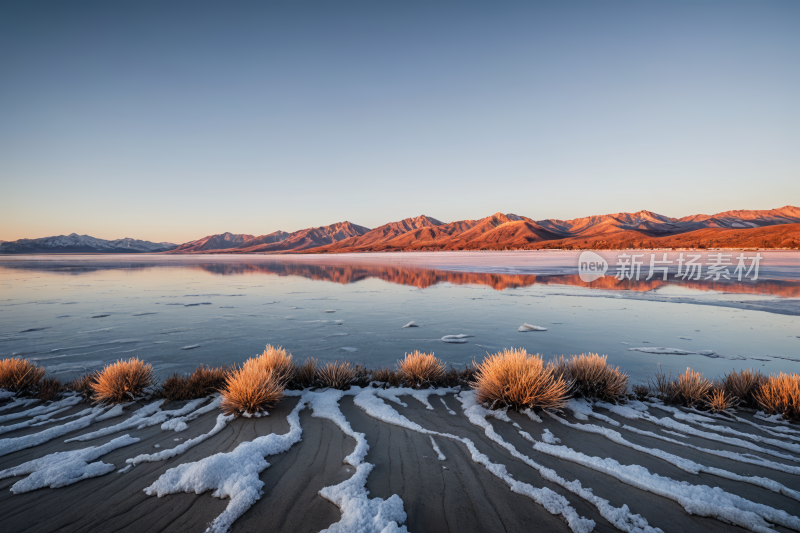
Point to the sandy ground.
(456, 494)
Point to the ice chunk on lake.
(529, 327)
(348, 349)
(411, 324)
(190, 347)
(673, 351)
(456, 339)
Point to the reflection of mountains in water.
(427, 277)
(415, 276)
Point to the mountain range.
(774, 228)
(76, 244)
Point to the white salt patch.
(549, 438)
(446, 407)
(686, 465)
(528, 327)
(359, 513)
(701, 421)
(439, 453)
(699, 500)
(64, 468)
(88, 416)
(674, 433)
(582, 411)
(233, 475)
(456, 339)
(179, 423)
(634, 414)
(533, 416)
(43, 409)
(411, 324)
(620, 517)
(553, 502)
(222, 421)
(135, 419)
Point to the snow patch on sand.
(222, 421)
(60, 469)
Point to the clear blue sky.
(173, 120)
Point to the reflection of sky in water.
(69, 316)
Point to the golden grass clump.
(515, 379)
(719, 400)
(276, 360)
(743, 384)
(593, 377)
(249, 390)
(421, 369)
(199, 384)
(19, 375)
(122, 381)
(559, 367)
(691, 388)
(781, 394)
(336, 375)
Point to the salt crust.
(60, 469)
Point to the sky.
(169, 121)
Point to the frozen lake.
(77, 313)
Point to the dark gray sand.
(456, 494)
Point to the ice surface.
(529, 327)
(456, 339)
(64, 468)
(411, 324)
(671, 351)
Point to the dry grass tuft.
(421, 369)
(19, 375)
(249, 390)
(388, 376)
(49, 389)
(515, 379)
(336, 375)
(276, 360)
(559, 367)
(719, 400)
(662, 386)
(199, 384)
(743, 384)
(781, 394)
(641, 391)
(593, 377)
(83, 385)
(122, 381)
(304, 374)
(691, 388)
